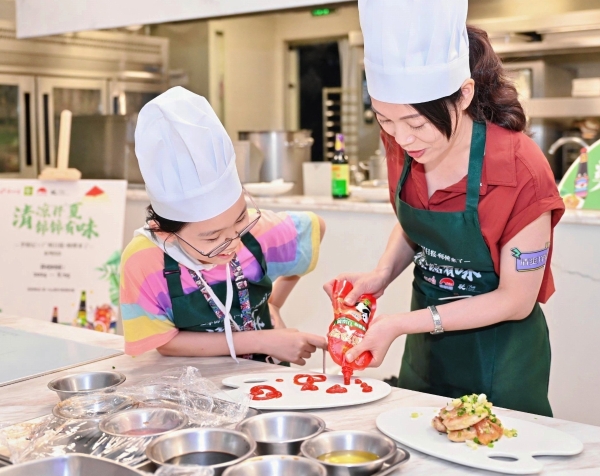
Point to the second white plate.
(532, 440)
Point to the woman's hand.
(276, 319)
(290, 345)
(373, 282)
(384, 330)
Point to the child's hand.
(290, 345)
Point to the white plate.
(532, 440)
(294, 399)
(268, 189)
(370, 194)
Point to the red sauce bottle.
(350, 322)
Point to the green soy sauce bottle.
(340, 170)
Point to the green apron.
(508, 361)
(191, 312)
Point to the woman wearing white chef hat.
(203, 268)
(476, 204)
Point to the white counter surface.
(302, 202)
(31, 399)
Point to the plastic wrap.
(202, 401)
(77, 431)
(171, 470)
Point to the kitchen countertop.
(31, 399)
(313, 203)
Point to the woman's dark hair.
(162, 224)
(495, 99)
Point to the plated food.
(470, 419)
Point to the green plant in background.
(110, 273)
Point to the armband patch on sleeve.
(530, 260)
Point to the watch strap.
(437, 320)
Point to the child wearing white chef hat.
(206, 269)
(473, 194)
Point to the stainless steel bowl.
(201, 445)
(331, 441)
(281, 433)
(277, 465)
(70, 465)
(92, 407)
(143, 422)
(251, 412)
(85, 382)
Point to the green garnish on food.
(490, 445)
(476, 440)
(415, 415)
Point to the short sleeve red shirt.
(517, 186)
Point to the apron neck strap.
(172, 274)
(475, 165)
(474, 171)
(253, 246)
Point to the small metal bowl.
(277, 465)
(70, 465)
(328, 442)
(174, 447)
(93, 406)
(143, 422)
(85, 382)
(281, 433)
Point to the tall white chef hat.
(415, 50)
(186, 157)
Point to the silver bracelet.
(437, 320)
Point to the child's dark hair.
(162, 224)
(495, 99)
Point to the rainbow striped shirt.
(290, 242)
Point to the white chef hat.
(415, 50)
(186, 157)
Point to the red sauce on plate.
(309, 386)
(278, 380)
(309, 379)
(337, 388)
(264, 392)
(358, 381)
(367, 389)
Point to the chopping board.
(518, 452)
(25, 355)
(294, 399)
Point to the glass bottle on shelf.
(340, 170)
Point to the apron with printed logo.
(196, 311)
(508, 361)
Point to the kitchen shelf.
(555, 108)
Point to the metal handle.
(400, 457)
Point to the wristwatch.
(437, 320)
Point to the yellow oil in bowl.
(348, 457)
